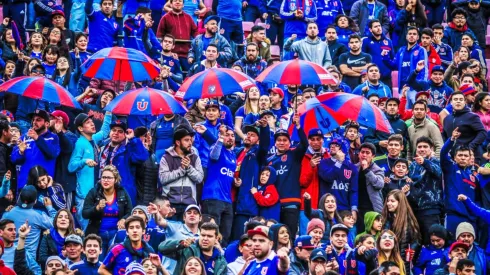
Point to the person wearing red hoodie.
(426, 42)
(308, 179)
(4, 270)
(407, 114)
(181, 25)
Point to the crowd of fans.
(240, 185)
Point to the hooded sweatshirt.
(268, 199)
(369, 219)
(315, 51)
(453, 34)
(274, 234)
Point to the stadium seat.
(488, 29)
(275, 51)
(488, 39)
(247, 27)
(395, 93)
(394, 79)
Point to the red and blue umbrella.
(320, 117)
(145, 102)
(214, 82)
(296, 72)
(120, 64)
(348, 106)
(40, 88)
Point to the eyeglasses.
(459, 17)
(106, 178)
(389, 237)
(56, 32)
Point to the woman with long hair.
(479, 72)
(81, 42)
(464, 54)
(476, 52)
(53, 240)
(197, 112)
(399, 218)
(36, 45)
(56, 37)
(481, 107)
(251, 106)
(50, 56)
(8, 44)
(413, 15)
(106, 206)
(64, 75)
(345, 26)
(280, 236)
(193, 266)
(49, 193)
(327, 212)
(8, 72)
(389, 251)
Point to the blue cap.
(119, 123)
(317, 254)
(212, 17)
(212, 103)
(303, 241)
(315, 132)
(282, 132)
(336, 141)
(438, 68)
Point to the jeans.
(107, 237)
(232, 30)
(275, 32)
(83, 222)
(251, 14)
(222, 212)
(425, 222)
(290, 217)
(31, 16)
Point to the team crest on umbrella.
(142, 105)
(212, 89)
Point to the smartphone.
(317, 155)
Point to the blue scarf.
(58, 240)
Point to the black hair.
(311, 22)
(463, 263)
(212, 45)
(80, 35)
(370, 66)
(437, 27)
(369, 146)
(478, 100)
(35, 173)
(386, 266)
(66, 79)
(243, 239)
(92, 237)
(428, 32)
(51, 49)
(210, 226)
(257, 28)
(370, 25)
(160, 198)
(401, 160)
(462, 148)
(345, 213)
(143, 10)
(4, 126)
(424, 139)
(410, 28)
(459, 11)
(355, 36)
(5, 222)
(364, 237)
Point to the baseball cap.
(318, 254)
(281, 132)
(250, 128)
(259, 230)
(63, 115)
(266, 112)
(57, 12)
(459, 244)
(438, 68)
(119, 123)
(193, 206)
(426, 93)
(336, 141)
(276, 90)
(303, 241)
(212, 103)
(315, 132)
(337, 227)
(40, 113)
(383, 99)
(212, 17)
(74, 239)
(80, 119)
(28, 197)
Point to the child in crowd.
(266, 195)
(435, 255)
(373, 223)
(348, 220)
(315, 229)
(399, 178)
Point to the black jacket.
(20, 263)
(47, 248)
(146, 180)
(336, 49)
(67, 180)
(5, 165)
(90, 212)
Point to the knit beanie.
(134, 268)
(144, 209)
(465, 227)
(315, 223)
(438, 231)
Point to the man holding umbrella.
(38, 147)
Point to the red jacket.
(4, 270)
(181, 26)
(308, 180)
(267, 197)
(433, 58)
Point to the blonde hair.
(111, 168)
(248, 108)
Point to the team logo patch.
(353, 263)
(212, 89)
(222, 31)
(347, 173)
(415, 53)
(284, 158)
(264, 270)
(472, 178)
(171, 63)
(142, 105)
(385, 42)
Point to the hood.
(272, 177)
(369, 219)
(462, 29)
(317, 41)
(245, 60)
(461, 112)
(274, 233)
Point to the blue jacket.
(427, 187)
(252, 69)
(445, 52)
(103, 29)
(134, 32)
(293, 25)
(327, 11)
(482, 213)
(204, 142)
(260, 4)
(83, 151)
(230, 9)
(439, 95)
(224, 49)
(86, 268)
(42, 151)
(219, 183)
(374, 47)
(343, 35)
(430, 259)
(339, 179)
(249, 171)
(273, 7)
(129, 154)
(457, 181)
(452, 37)
(406, 61)
(381, 90)
(361, 15)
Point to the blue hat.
(315, 132)
(282, 132)
(119, 123)
(318, 253)
(212, 103)
(303, 241)
(266, 112)
(28, 197)
(212, 17)
(438, 68)
(134, 268)
(336, 141)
